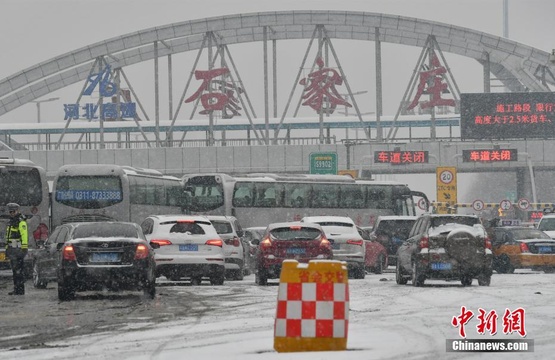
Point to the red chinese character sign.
(401, 157)
(320, 89)
(216, 93)
(431, 82)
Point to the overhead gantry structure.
(517, 66)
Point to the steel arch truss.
(513, 63)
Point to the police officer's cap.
(13, 207)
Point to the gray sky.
(37, 30)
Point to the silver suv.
(449, 247)
(231, 232)
(547, 224)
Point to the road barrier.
(313, 307)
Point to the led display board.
(400, 157)
(490, 155)
(508, 115)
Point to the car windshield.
(547, 224)
(400, 227)
(292, 234)
(187, 228)
(463, 220)
(523, 234)
(105, 230)
(222, 227)
(335, 223)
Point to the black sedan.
(94, 256)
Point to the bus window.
(243, 194)
(351, 197)
(325, 195)
(297, 195)
(379, 197)
(268, 195)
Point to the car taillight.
(266, 243)
(524, 248)
(161, 242)
(141, 252)
(355, 242)
(487, 243)
(214, 242)
(41, 232)
(68, 253)
(325, 243)
(233, 242)
(423, 243)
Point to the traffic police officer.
(16, 247)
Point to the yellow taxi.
(517, 247)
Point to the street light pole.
(38, 102)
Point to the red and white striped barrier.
(313, 307)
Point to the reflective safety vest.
(16, 234)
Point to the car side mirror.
(40, 244)
(59, 246)
(240, 233)
(154, 245)
(255, 242)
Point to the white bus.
(103, 192)
(24, 183)
(260, 199)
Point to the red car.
(292, 240)
(375, 258)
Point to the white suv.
(231, 232)
(347, 244)
(189, 247)
(547, 224)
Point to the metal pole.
(266, 105)
(156, 96)
(38, 120)
(379, 132)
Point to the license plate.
(544, 249)
(296, 251)
(104, 257)
(441, 266)
(335, 246)
(188, 247)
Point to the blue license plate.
(544, 249)
(441, 266)
(188, 247)
(104, 257)
(296, 251)
(335, 246)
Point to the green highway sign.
(323, 163)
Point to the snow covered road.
(387, 321)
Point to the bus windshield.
(20, 185)
(88, 192)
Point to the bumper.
(442, 266)
(272, 267)
(232, 263)
(116, 277)
(530, 260)
(190, 270)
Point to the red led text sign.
(400, 157)
(490, 155)
(508, 115)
